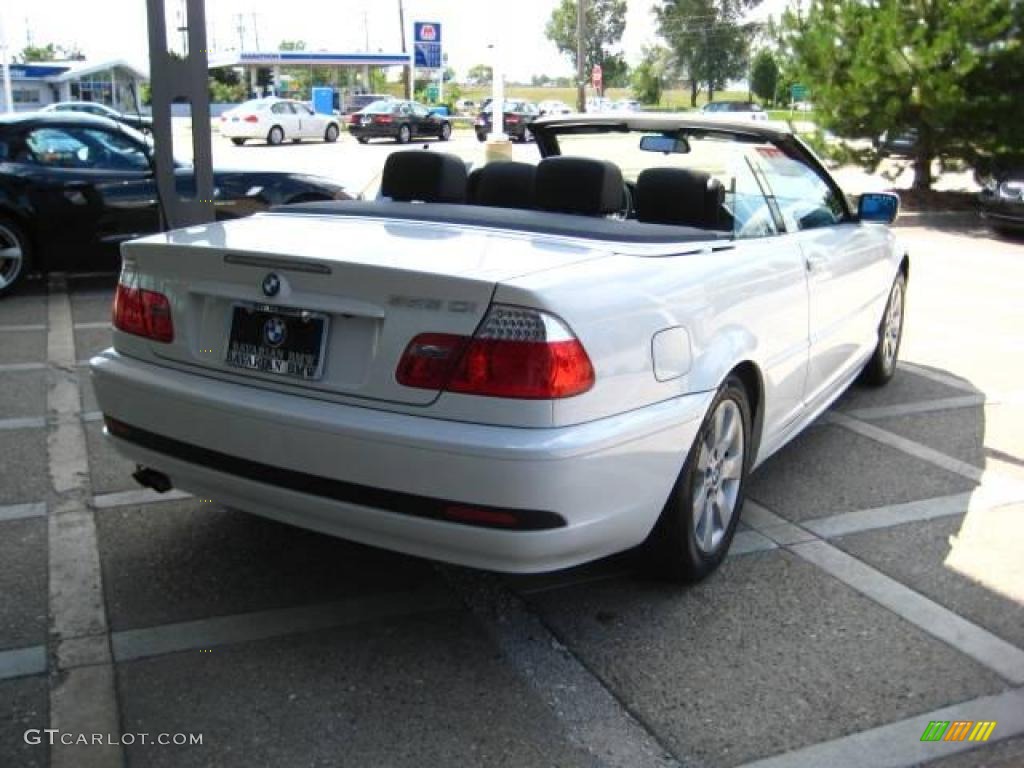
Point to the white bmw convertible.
(519, 368)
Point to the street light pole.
(581, 73)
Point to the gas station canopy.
(305, 58)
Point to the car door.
(310, 124)
(282, 114)
(842, 259)
(96, 187)
(424, 122)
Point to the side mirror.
(878, 206)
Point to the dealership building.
(38, 83)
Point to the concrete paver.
(991, 437)
(24, 704)
(110, 472)
(91, 341)
(411, 692)
(22, 347)
(184, 560)
(769, 655)
(22, 393)
(828, 470)
(23, 468)
(970, 564)
(23, 595)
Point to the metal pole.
(581, 94)
(8, 92)
(409, 67)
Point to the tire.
(238, 142)
(362, 139)
(404, 134)
(331, 134)
(275, 136)
(691, 539)
(15, 255)
(882, 365)
(481, 137)
(446, 131)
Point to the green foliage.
(709, 40)
(480, 73)
(604, 23)
(950, 70)
(649, 77)
(764, 75)
(50, 52)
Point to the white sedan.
(522, 368)
(275, 121)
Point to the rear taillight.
(353, 119)
(251, 119)
(143, 313)
(516, 353)
(511, 119)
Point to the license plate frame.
(260, 357)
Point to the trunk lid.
(375, 284)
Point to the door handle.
(75, 192)
(815, 263)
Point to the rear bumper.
(607, 480)
(374, 131)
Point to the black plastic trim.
(329, 488)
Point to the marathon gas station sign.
(426, 37)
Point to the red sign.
(428, 33)
(595, 76)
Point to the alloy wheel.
(12, 257)
(719, 471)
(893, 327)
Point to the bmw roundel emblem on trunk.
(271, 284)
(275, 331)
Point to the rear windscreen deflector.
(513, 219)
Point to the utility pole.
(581, 64)
(6, 62)
(256, 31)
(407, 70)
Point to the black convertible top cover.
(512, 219)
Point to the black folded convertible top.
(513, 219)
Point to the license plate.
(279, 340)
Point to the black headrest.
(429, 177)
(504, 184)
(679, 196)
(579, 185)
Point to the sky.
(116, 29)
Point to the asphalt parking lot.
(876, 584)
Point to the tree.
(50, 52)
(604, 23)
(764, 75)
(649, 76)
(950, 72)
(708, 38)
(480, 74)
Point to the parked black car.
(73, 187)
(138, 122)
(1002, 200)
(516, 119)
(398, 120)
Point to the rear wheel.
(275, 136)
(882, 365)
(404, 134)
(331, 134)
(446, 131)
(362, 139)
(15, 255)
(696, 527)
(238, 142)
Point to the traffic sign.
(798, 92)
(596, 76)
